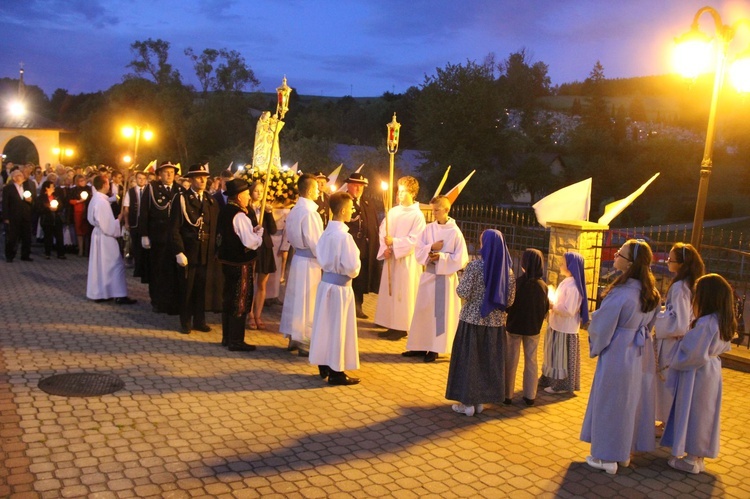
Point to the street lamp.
(691, 55)
(129, 131)
(61, 152)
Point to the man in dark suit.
(153, 223)
(17, 203)
(193, 224)
(364, 229)
(322, 199)
(221, 195)
(131, 210)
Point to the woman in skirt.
(477, 370)
(265, 264)
(561, 370)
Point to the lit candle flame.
(53, 204)
(552, 294)
(84, 195)
(26, 194)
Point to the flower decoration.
(282, 187)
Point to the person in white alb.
(442, 250)
(303, 230)
(333, 345)
(400, 279)
(106, 273)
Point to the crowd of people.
(657, 372)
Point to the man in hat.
(193, 225)
(237, 239)
(303, 230)
(131, 211)
(323, 198)
(363, 227)
(154, 225)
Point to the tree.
(203, 64)
(460, 120)
(151, 60)
(523, 83)
(233, 75)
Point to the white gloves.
(181, 260)
(145, 242)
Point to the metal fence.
(520, 229)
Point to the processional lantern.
(283, 93)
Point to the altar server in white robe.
(692, 429)
(400, 278)
(106, 273)
(620, 413)
(333, 346)
(303, 230)
(442, 250)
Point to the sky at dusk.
(343, 47)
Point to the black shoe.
(341, 379)
(124, 300)
(62, 257)
(241, 347)
(203, 328)
(155, 309)
(8, 260)
(529, 402)
(360, 313)
(507, 402)
(396, 335)
(413, 353)
(184, 329)
(385, 334)
(102, 300)
(47, 257)
(292, 346)
(303, 353)
(27, 259)
(324, 371)
(430, 356)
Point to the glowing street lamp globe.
(739, 73)
(693, 54)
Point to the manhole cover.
(81, 384)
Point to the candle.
(26, 195)
(84, 195)
(53, 204)
(552, 294)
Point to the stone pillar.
(584, 238)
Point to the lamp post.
(394, 129)
(63, 152)
(129, 131)
(687, 50)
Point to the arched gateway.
(42, 133)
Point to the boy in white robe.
(106, 273)
(303, 230)
(333, 346)
(442, 250)
(400, 279)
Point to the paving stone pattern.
(195, 420)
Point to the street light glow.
(739, 74)
(693, 55)
(128, 131)
(127, 158)
(17, 108)
(148, 134)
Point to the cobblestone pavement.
(195, 420)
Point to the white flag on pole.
(569, 203)
(616, 207)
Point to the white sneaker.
(549, 389)
(469, 410)
(459, 408)
(608, 466)
(683, 464)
